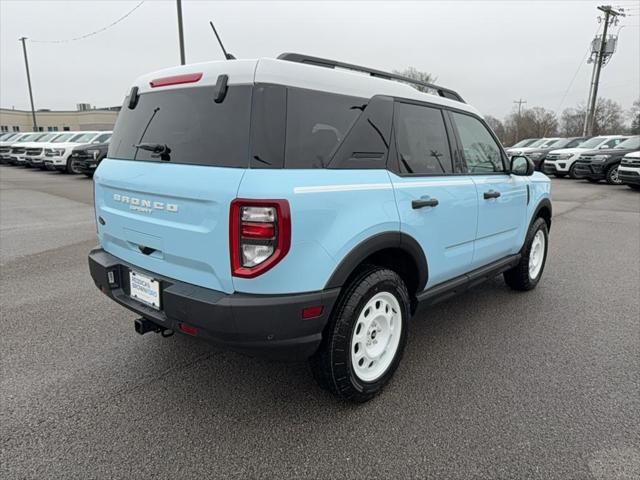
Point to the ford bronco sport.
(302, 208)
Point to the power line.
(575, 75)
(81, 37)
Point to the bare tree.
(416, 74)
(572, 122)
(497, 126)
(608, 119)
(543, 122)
(634, 113)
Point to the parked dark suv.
(596, 165)
(86, 158)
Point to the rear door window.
(194, 129)
(421, 140)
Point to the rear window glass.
(194, 129)
(317, 122)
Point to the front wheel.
(365, 337)
(526, 274)
(572, 172)
(612, 177)
(72, 166)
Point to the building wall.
(20, 120)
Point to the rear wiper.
(157, 150)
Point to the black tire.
(572, 172)
(332, 365)
(593, 180)
(518, 277)
(71, 168)
(560, 175)
(611, 176)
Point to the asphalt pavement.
(494, 383)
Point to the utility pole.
(519, 102)
(180, 31)
(26, 64)
(609, 16)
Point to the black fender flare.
(375, 244)
(544, 203)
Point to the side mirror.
(522, 166)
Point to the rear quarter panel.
(332, 211)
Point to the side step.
(459, 284)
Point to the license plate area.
(144, 289)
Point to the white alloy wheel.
(536, 254)
(376, 336)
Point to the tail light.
(259, 235)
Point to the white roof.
(294, 74)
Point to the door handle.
(491, 194)
(424, 202)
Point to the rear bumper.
(268, 326)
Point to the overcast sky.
(491, 52)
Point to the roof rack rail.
(324, 62)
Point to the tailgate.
(172, 219)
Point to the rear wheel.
(365, 337)
(612, 176)
(526, 275)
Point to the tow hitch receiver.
(142, 326)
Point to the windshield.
(102, 138)
(47, 137)
(632, 143)
(63, 138)
(574, 142)
(594, 142)
(523, 143)
(551, 143)
(538, 142)
(83, 137)
(31, 137)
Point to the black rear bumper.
(268, 326)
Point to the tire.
(526, 275)
(351, 361)
(572, 172)
(593, 180)
(71, 168)
(611, 176)
(560, 175)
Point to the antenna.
(228, 56)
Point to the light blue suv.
(302, 208)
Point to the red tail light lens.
(175, 80)
(259, 235)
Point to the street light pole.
(180, 31)
(26, 64)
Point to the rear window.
(194, 128)
(317, 122)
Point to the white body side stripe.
(380, 186)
